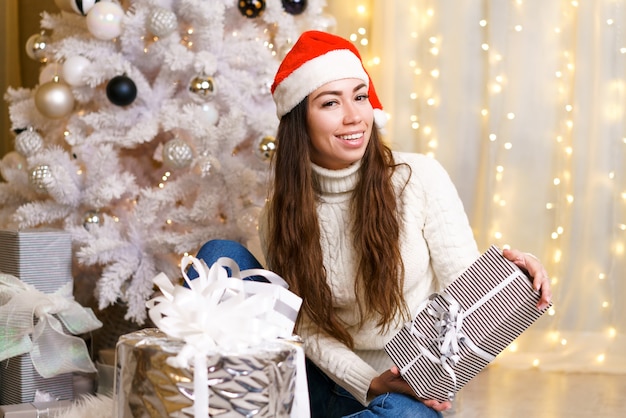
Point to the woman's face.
(339, 119)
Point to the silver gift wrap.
(259, 382)
(42, 258)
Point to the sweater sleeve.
(450, 239)
(338, 362)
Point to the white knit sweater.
(437, 244)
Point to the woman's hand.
(391, 381)
(530, 264)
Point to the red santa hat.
(318, 58)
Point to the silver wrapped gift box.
(257, 382)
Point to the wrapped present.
(39, 257)
(458, 332)
(223, 348)
(34, 409)
(37, 315)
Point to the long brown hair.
(293, 240)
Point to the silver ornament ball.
(91, 218)
(28, 142)
(36, 47)
(40, 177)
(162, 22)
(177, 153)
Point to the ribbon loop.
(52, 351)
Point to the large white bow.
(218, 311)
(51, 350)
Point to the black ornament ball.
(251, 8)
(294, 7)
(121, 90)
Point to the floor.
(499, 392)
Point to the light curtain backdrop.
(523, 102)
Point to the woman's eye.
(329, 103)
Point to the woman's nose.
(351, 114)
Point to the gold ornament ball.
(267, 148)
(202, 86)
(54, 99)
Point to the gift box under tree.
(223, 348)
(36, 298)
(458, 332)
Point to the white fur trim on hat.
(334, 65)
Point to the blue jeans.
(329, 400)
(214, 249)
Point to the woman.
(361, 233)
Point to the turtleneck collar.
(334, 182)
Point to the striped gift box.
(458, 332)
(43, 259)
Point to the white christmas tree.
(149, 132)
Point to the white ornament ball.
(54, 99)
(76, 6)
(162, 22)
(177, 153)
(73, 70)
(104, 20)
(49, 71)
(28, 142)
(206, 165)
(207, 114)
(12, 160)
(40, 177)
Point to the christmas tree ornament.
(91, 218)
(205, 165)
(248, 220)
(207, 114)
(80, 7)
(266, 148)
(54, 99)
(36, 47)
(121, 90)
(162, 22)
(177, 153)
(40, 177)
(294, 7)
(49, 71)
(251, 8)
(202, 86)
(73, 70)
(28, 142)
(12, 160)
(104, 20)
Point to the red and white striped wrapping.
(458, 332)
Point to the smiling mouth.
(351, 137)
